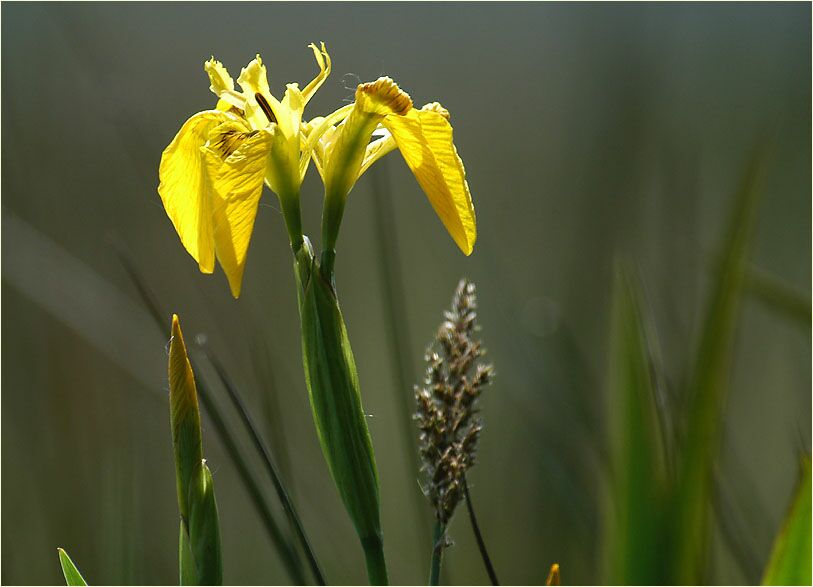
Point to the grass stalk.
(289, 556)
(270, 466)
(481, 545)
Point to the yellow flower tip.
(176, 328)
(553, 576)
(219, 77)
(436, 107)
(384, 96)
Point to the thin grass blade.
(709, 384)
(634, 537)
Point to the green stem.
(292, 215)
(332, 213)
(376, 566)
(437, 553)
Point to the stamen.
(265, 107)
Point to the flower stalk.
(333, 388)
(447, 413)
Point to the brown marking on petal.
(229, 141)
(386, 91)
(265, 107)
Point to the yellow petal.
(347, 150)
(323, 60)
(254, 80)
(425, 140)
(219, 77)
(238, 182)
(185, 187)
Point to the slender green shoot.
(72, 574)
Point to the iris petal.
(238, 183)
(186, 189)
(424, 138)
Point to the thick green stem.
(333, 387)
(376, 566)
(332, 213)
(292, 215)
(437, 553)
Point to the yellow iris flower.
(424, 137)
(213, 171)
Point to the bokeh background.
(589, 132)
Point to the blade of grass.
(779, 296)
(268, 460)
(290, 557)
(72, 574)
(790, 562)
(638, 473)
(708, 385)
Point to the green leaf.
(333, 387)
(790, 562)
(634, 539)
(199, 542)
(204, 529)
(72, 574)
(708, 387)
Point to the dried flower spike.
(447, 403)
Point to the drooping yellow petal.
(424, 138)
(238, 182)
(185, 186)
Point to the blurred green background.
(588, 132)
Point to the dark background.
(588, 132)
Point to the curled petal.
(323, 60)
(185, 187)
(222, 86)
(424, 138)
(383, 97)
(346, 154)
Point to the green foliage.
(199, 541)
(790, 562)
(662, 482)
(709, 384)
(72, 574)
(634, 538)
(333, 387)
